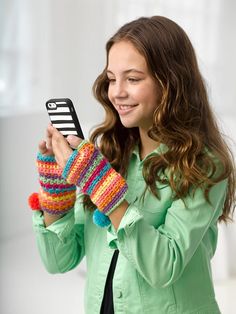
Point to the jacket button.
(119, 294)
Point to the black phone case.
(63, 116)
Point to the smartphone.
(63, 116)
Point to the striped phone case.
(62, 114)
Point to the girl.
(156, 175)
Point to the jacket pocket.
(153, 209)
(156, 300)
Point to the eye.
(111, 80)
(133, 79)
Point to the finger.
(49, 134)
(56, 137)
(50, 128)
(60, 146)
(73, 140)
(43, 149)
(53, 132)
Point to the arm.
(117, 215)
(49, 219)
(59, 237)
(61, 244)
(87, 168)
(45, 148)
(161, 255)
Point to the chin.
(128, 124)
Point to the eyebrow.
(127, 71)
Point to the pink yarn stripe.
(56, 186)
(95, 174)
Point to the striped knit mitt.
(55, 196)
(93, 174)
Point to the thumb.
(73, 140)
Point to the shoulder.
(214, 164)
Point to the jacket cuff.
(61, 227)
(130, 218)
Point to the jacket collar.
(161, 149)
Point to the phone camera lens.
(52, 105)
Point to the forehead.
(123, 55)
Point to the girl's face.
(132, 90)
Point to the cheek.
(154, 98)
(145, 96)
(109, 94)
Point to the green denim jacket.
(165, 249)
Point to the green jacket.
(165, 250)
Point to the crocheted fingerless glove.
(93, 174)
(55, 196)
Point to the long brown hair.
(197, 154)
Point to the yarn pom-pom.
(100, 219)
(33, 201)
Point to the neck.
(147, 145)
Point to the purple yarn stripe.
(116, 199)
(55, 212)
(50, 176)
(87, 169)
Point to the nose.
(118, 90)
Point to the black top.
(107, 306)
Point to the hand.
(44, 150)
(56, 196)
(56, 145)
(93, 174)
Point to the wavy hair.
(197, 155)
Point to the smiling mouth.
(124, 109)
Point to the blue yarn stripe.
(86, 172)
(98, 178)
(45, 158)
(69, 163)
(58, 191)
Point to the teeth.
(125, 106)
